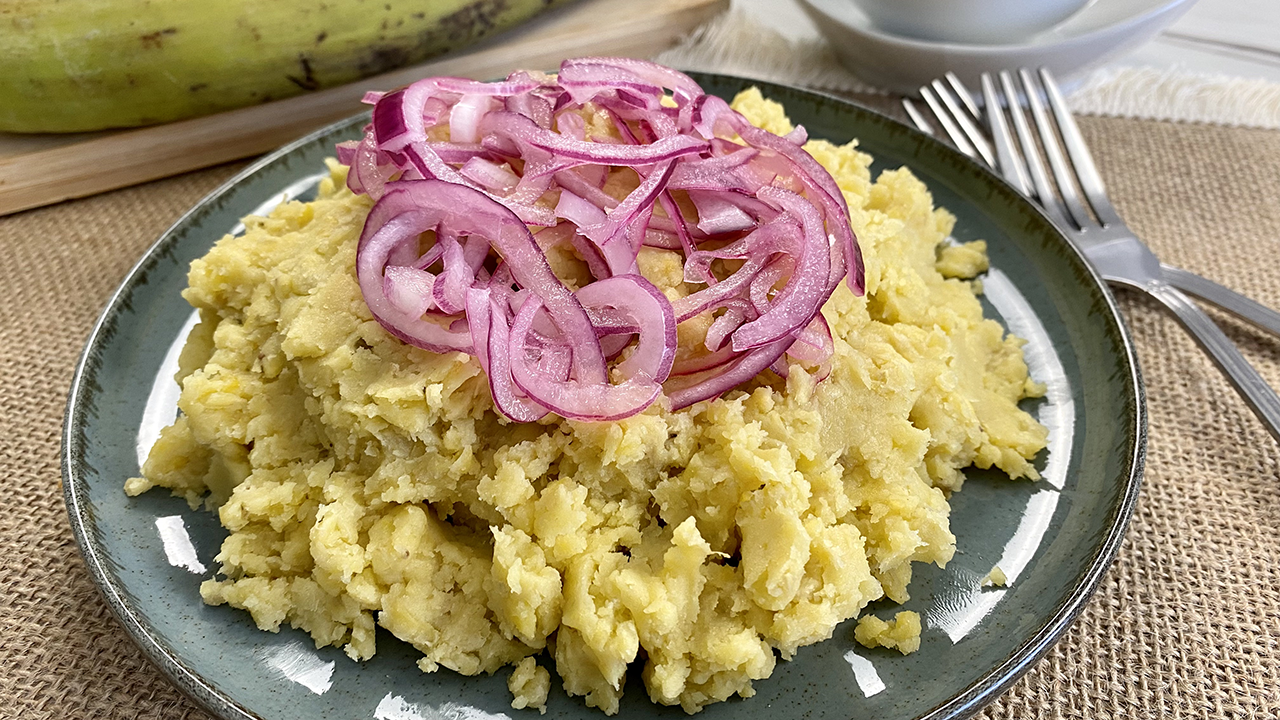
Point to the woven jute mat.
(1186, 623)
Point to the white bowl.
(1099, 32)
(968, 21)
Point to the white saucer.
(1099, 32)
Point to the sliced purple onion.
(770, 243)
(814, 344)
(717, 215)
(597, 401)
(507, 397)
(638, 300)
(409, 289)
(490, 175)
(578, 211)
(577, 151)
(464, 118)
(808, 287)
(625, 215)
(736, 312)
(798, 136)
(396, 220)
(686, 390)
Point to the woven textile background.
(1186, 623)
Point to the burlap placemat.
(1186, 623)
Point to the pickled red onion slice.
(480, 163)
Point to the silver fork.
(953, 107)
(1101, 235)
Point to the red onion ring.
(638, 300)
(577, 400)
(519, 154)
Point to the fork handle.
(1255, 391)
(1225, 298)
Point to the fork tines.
(1018, 154)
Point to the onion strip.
(461, 170)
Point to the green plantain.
(73, 65)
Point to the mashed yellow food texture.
(364, 481)
(901, 634)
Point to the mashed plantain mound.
(364, 481)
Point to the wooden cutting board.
(38, 170)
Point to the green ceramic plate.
(1053, 538)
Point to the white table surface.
(1240, 38)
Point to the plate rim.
(986, 688)
(992, 684)
(171, 666)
